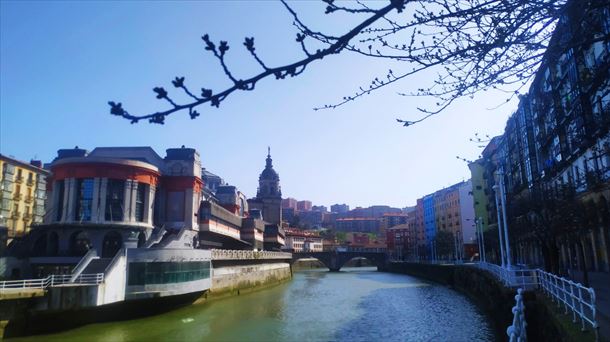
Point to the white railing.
(517, 331)
(574, 297)
(84, 261)
(52, 280)
(229, 254)
(515, 277)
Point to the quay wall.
(544, 323)
(237, 277)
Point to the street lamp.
(503, 200)
(482, 239)
(495, 188)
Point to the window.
(140, 196)
(115, 193)
(84, 197)
(144, 273)
(60, 199)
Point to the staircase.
(97, 266)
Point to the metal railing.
(514, 277)
(517, 331)
(229, 254)
(574, 297)
(52, 280)
(84, 261)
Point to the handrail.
(82, 264)
(517, 331)
(52, 280)
(115, 259)
(575, 297)
(230, 254)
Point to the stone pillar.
(149, 205)
(132, 201)
(69, 211)
(103, 195)
(127, 200)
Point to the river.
(356, 304)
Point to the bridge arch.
(334, 260)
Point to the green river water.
(356, 304)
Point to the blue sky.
(60, 62)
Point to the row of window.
(146, 273)
(115, 200)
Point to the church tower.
(269, 181)
(269, 194)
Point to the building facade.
(554, 155)
(23, 192)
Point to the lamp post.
(495, 188)
(476, 222)
(482, 238)
(503, 201)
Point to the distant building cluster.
(440, 226)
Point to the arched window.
(111, 244)
(53, 244)
(79, 243)
(40, 246)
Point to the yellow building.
(23, 190)
(480, 192)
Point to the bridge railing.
(517, 331)
(52, 280)
(229, 254)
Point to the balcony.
(27, 216)
(15, 214)
(17, 197)
(30, 182)
(29, 199)
(19, 180)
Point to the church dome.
(269, 181)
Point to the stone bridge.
(335, 259)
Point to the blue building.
(429, 221)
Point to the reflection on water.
(356, 304)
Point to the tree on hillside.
(471, 45)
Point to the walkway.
(600, 282)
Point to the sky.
(61, 62)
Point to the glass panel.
(143, 273)
(140, 196)
(115, 193)
(84, 197)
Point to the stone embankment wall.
(236, 279)
(543, 322)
